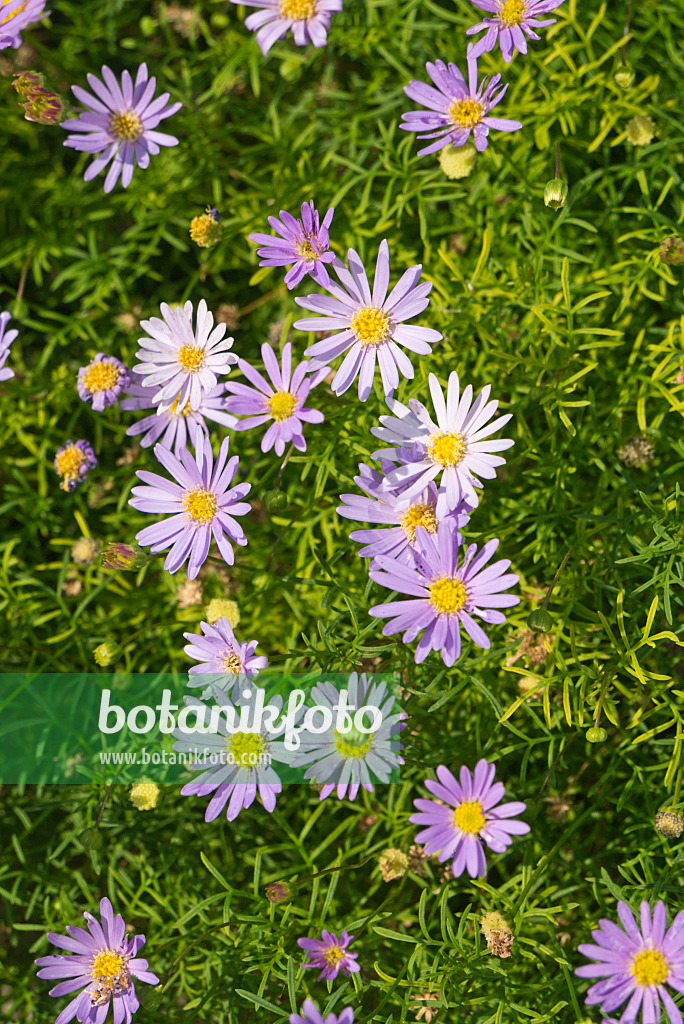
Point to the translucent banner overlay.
(333, 728)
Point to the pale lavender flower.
(304, 242)
(102, 381)
(511, 21)
(104, 968)
(636, 963)
(456, 446)
(454, 108)
(308, 19)
(182, 363)
(370, 325)
(199, 503)
(6, 339)
(474, 815)
(444, 595)
(119, 124)
(218, 651)
(281, 401)
(15, 16)
(312, 1015)
(331, 954)
(72, 462)
(173, 428)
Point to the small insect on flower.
(15, 16)
(636, 963)
(118, 124)
(511, 21)
(102, 381)
(454, 108)
(331, 954)
(312, 1015)
(206, 229)
(106, 967)
(302, 242)
(6, 339)
(308, 19)
(474, 815)
(72, 463)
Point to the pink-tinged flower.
(105, 968)
(15, 16)
(312, 1015)
(474, 815)
(72, 462)
(308, 19)
(199, 503)
(218, 651)
(512, 20)
(454, 108)
(173, 428)
(102, 381)
(303, 242)
(119, 124)
(331, 954)
(6, 339)
(281, 401)
(371, 325)
(444, 595)
(636, 963)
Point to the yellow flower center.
(334, 955)
(9, 17)
(173, 409)
(282, 405)
(191, 358)
(298, 10)
(107, 964)
(448, 595)
(246, 747)
(353, 743)
(100, 377)
(512, 12)
(200, 505)
(306, 250)
(469, 817)
(447, 449)
(418, 515)
(649, 967)
(69, 462)
(466, 113)
(370, 325)
(232, 663)
(128, 127)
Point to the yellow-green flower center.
(370, 325)
(512, 12)
(469, 817)
(100, 377)
(282, 405)
(466, 113)
(246, 748)
(353, 743)
(232, 663)
(173, 409)
(20, 8)
(200, 505)
(107, 964)
(418, 515)
(448, 595)
(649, 967)
(298, 10)
(128, 127)
(447, 449)
(306, 250)
(191, 358)
(334, 955)
(69, 461)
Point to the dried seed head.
(638, 452)
(669, 823)
(393, 864)
(497, 933)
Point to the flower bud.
(124, 556)
(275, 501)
(106, 653)
(25, 81)
(596, 735)
(555, 193)
(280, 892)
(393, 864)
(672, 251)
(206, 230)
(669, 823)
(457, 161)
(540, 621)
(44, 107)
(624, 76)
(220, 608)
(90, 839)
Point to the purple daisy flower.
(173, 427)
(119, 124)
(392, 509)
(512, 21)
(201, 503)
(6, 339)
(443, 593)
(312, 1015)
(72, 462)
(370, 326)
(454, 446)
(102, 381)
(455, 109)
(331, 954)
(308, 19)
(183, 364)
(636, 963)
(474, 815)
(105, 968)
(303, 242)
(219, 652)
(283, 402)
(15, 16)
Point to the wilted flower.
(102, 381)
(555, 193)
(85, 551)
(15, 16)
(206, 229)
(669, 823)
(331, 954)
(308, 19)
(427, 1012)
(640, 131)
(189, 594)
(72, 462)
(672, 251)
(511, 21)
(393, 864)
(497, 933)
(457, 161)
(72, 586)
(144, 795)
(303, 242)
(638, 452)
